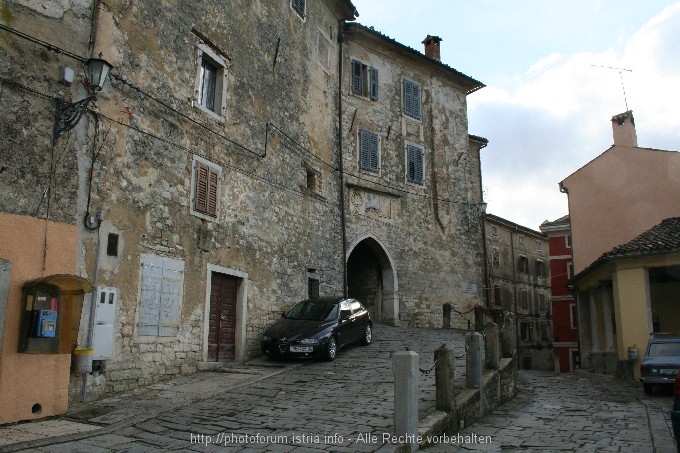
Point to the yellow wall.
(35, 248)
(631, 294)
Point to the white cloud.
(554, 118)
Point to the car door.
(345, 330)
(359, 319)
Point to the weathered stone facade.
(280, 208)
(519, 275)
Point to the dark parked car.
(661, 361)
(675, 415)
(318, 328)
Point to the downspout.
(487, 283)
(514, 291)
(94, 25)
(341, 40)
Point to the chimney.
(432, 47)
(623, 126)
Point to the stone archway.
(372, 279)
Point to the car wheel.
(331, 349)
(648, 388)
(368, 335)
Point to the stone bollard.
(443, 378)
(474, 366)
(405, 368)
(474, 359)
(491, 346)
(508, 336)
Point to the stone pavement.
(310, 406)
(578, 412)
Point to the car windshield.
(313, 310)
(664, 349)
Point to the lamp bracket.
(68, 115)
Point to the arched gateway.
(372, 279)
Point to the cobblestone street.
(579, 412)
(347, 405)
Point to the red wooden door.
(222, 328)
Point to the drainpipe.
(341, 40)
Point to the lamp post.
(68, 115)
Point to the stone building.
(216, 179)
(519, 282)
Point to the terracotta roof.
(664, 237)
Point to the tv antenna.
(620, 71)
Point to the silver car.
(661, 361)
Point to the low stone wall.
(499, 386)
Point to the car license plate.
(669, 371)
(301, 349)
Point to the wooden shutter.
(206, 193)
(357, 80)
(408, 97)
(374, 84)
(368, 144)
(414, 156)
(416, 100)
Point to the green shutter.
(374, 84)
(368, 149)
(357, 81)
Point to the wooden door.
(222, 328)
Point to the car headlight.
(309, 341)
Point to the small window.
(299, 6)
(411, 96)
(541, 303)
(369, 151)
(520, 239)
(313, 288)
(494, 230)
(112, 245)
(205, 189)
(496, 256)
(498, 295)
(364, 80)
(523, 264)
(541, 269)
(526, 331)
(539, 246)
(211, 86)
(414, 164)
(567, 239)
(524, 297)
(570, 270)
(573, 316)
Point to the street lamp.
(68, 115)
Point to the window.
(567, 239)
(411, 96)
(498, 295)
(299, 6)
(205, 189)
(524, 298)
(573, 316)
(369, 151)
(539, 246)
(523, 264)
(570, 269)
(520, 239)
(541, 269)
(414, 164)
(161, 296)
(544, 331)
(494, 230)
(312, 288)
(526, 331)
(211, 86)
(496, 256)
(112, 245)
(541, 303)
(364, 80)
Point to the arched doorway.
(371, 278)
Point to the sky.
(555, 73)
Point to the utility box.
(104, 322)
